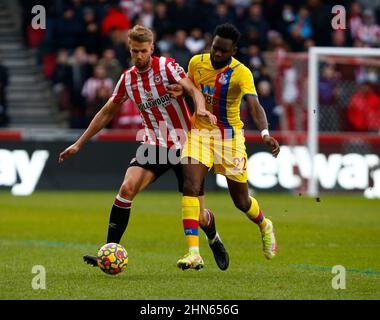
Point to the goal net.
(330, 99)
(344, 98)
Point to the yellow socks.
(190, 219)
(255, 214)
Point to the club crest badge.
(223, 79)
(157, 79)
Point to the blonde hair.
(140, 34)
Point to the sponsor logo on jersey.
(160, 102)
(207, 89)
(148, 95)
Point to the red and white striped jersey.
(166, 120)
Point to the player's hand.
(175, 90)
(208, 114)
(68, 152)
(272, 143)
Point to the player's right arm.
(100, 121)
(176, 90)
(186, 84)
(198, 98)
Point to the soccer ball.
(112, 258)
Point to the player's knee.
(191, 188)
(128, 190)
(242, 204)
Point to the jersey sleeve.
(190, 68)
(120, 94)
(175, 71)
(247, 83)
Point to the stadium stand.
(29, 97)
(48, 68)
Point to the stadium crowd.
(84, 47)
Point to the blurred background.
(54, 80)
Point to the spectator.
(111, 65)
(161, 22)
(300, 29)
(179, 15)
(131, 8)
(179, 51)
(114, 19)
(93, 60)
(338, 38)
(68, 30)
(34, 37)
(255, 60)
(203, 13)
(293, 118)
(118, 42)
(242, 3)
(364, 109)
(278, 45)
(319, 18)
(369, 31)
(330, 114)
(263, 75)
(101, 7)
(355, 19)
(147, 14)
(288, 17)
(328, 92)
(81, 71)
(250, 37)
(268, 101)
(195, 42)
(128, 117)
(370, 4)
(221, 15)
(91, 36)
(232, 11)
(254, 20)
(62, 80)
(4, 119)
(308, 43)
(96, 91)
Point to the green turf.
(55, 229)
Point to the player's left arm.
(259, 117)
(176, 90)
(184, 84)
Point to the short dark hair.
(228, 31)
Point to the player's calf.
(215, 242)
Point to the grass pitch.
(55, 229)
